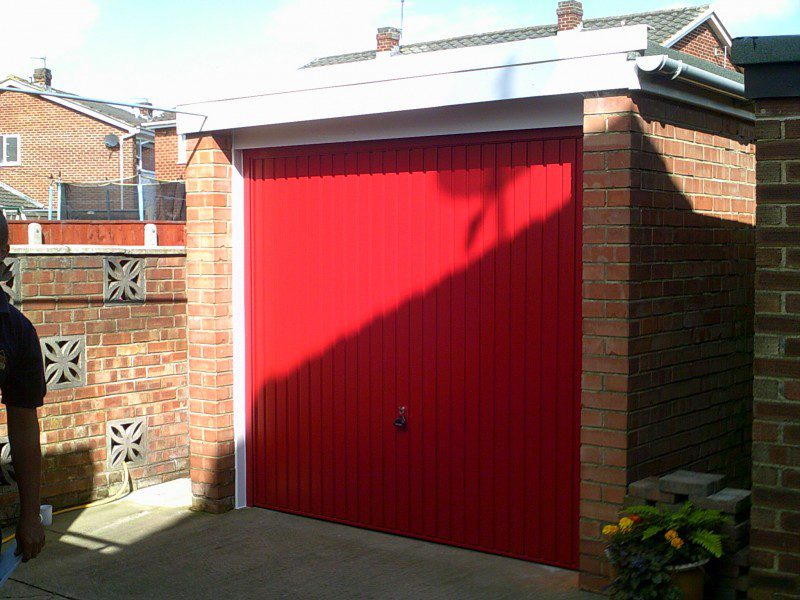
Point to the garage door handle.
(400, 421)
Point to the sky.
(174, 51)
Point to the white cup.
(46, 514)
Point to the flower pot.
(690, 579)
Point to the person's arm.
(26, 454)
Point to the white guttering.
(577, 62)
(166, 124)
(677, 69)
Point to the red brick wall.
(135, 367)
(668, 274)
(208, 265)
(57, 142)
(702, 43)
(775, 534)
(167, 166)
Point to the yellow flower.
(671, 535)
(625, 524)
(676, 542)
(610, 530)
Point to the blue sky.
(179, 50)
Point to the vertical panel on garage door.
(433, 281)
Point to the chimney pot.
(388, 38)
(570, 15)
(145, 113)
(43, 76)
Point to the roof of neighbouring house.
(11, 199)
(112, 112)
(662, 25)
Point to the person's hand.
(30, 537)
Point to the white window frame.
(181, 149)
(3, 137)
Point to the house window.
(9, 150)
(181, 149)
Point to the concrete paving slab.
(138, 550)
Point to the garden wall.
(112, 322)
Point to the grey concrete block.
(737, 531)
(691, 483)
(647, 489)
(741, 558)
(731, 501)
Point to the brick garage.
(668, 267)
(134, 359)
(669, 209)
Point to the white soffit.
(568, 63)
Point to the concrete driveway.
(149, 545)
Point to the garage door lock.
(400, 421)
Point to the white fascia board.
(572, 63)
(713, 20)
(512, 115)
(13, 83)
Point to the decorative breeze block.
(64, 361)
(127, 441)
(7, 476)
(123, 279)
(10, 279)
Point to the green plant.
(648, 542)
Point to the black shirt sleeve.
(25, 385)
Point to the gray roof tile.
(663, 24)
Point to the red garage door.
(414, 338)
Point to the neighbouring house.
(58, 139)
(170, 148)
(469, 290)
(48, 141)
(16, 205)
(772, 80)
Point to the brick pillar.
(606, 330)
(775, 535)
(209, 310)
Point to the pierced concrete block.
(123, 279)
(7, 475)
(64, 361)
(731, 501)
(127, 442)
(689, 483)
(11, 279)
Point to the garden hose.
(123, 491)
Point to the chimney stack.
(570, 15)
(43, 76)
(388, 38)
(145, 113)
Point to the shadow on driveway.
(136, 549)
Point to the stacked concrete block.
(727, 577)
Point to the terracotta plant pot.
(690, 579)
